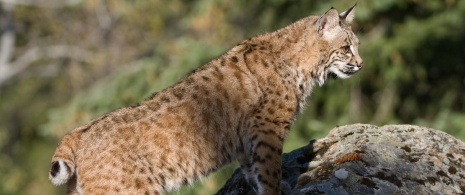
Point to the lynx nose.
(359, 65)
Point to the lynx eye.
(346, 49)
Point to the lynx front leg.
(264, 157)
(246, 167)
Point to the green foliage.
(128, 86)
(412, 50)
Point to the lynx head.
(341, 56)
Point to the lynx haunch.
(239, 106)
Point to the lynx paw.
(286, 189)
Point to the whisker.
(359, 31)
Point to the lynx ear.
(328, 21)
(348, 15)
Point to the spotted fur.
(239, 106)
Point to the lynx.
(239, 106)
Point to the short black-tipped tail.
(63, 167)
(60, 172)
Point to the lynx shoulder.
(239, 106)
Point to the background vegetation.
(63, 63)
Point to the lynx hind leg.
(72, 186)
(265, 161)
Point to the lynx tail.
(63, 166)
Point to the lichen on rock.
(366, 159)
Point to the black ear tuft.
(348, 15)
(55, 168)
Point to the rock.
(366, 159)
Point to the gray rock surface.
(366, 159)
